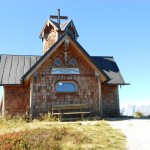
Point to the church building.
(65, 74)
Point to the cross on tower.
(58, 17)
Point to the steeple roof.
(59, 27)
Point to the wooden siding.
(44, 83)
(78, 47)
(110, 100)
(16, 99)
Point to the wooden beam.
(56, 17)
(31, 96)
(100, 97)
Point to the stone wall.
(110, 100)
(16, 99)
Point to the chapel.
(64, 75)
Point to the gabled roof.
(109, 66)
(13, 67)
(28, 74)
(47, 24)
(62, 27)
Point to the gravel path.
(137, 132)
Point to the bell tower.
(52, 30)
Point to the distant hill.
(129, 110)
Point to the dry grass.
(90, 135)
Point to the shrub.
(48, 117)
(41, 139)
(138, 114)
(60, 136)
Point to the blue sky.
(106, 28)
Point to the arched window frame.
(73, 82)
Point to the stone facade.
(110, 100)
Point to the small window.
(57, 62)
(66, 87)
(73, 62)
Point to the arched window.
(66, 87)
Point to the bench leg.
(82, 116)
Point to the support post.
(100, 97)
(3, 106)
(31, 96)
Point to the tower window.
(66, 87)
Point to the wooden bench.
(70, 109)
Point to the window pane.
(57, 62)
(73, 62)
(66, 87)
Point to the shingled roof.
(62, 27)
(109, 66)
(13, 67)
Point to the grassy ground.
(16, 134)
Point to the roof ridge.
(65, 22)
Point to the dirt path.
(137, 132)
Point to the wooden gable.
(75, 49)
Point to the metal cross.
(58, 17)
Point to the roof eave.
(10, 84)
(28, 74)
(117, 83)
(90, 60)
(72, 24)
(74, 28)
